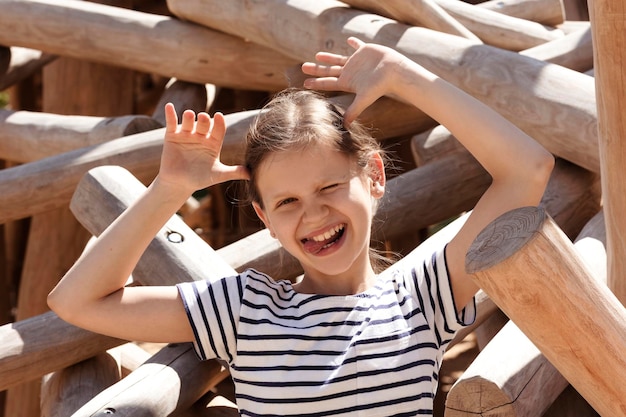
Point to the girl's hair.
(295, 119)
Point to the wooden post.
(23, 64)
(511, 376)
(532, 271)
(608, 19)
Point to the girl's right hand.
(191, 152)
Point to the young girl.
(344, 340)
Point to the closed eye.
(329, 187)
(285, 201)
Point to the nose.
(314, 212)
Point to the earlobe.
(377, 175)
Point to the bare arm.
(92, 293)
(519, 166)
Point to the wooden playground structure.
(81, 138)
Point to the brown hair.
(296, 119)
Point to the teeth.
(327, 235)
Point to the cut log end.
(503, 237)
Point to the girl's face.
(318, 203)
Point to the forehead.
(292, 171)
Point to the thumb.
(354, 110)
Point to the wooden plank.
(532, 271)
(128, 38)
(547, 12)
(609, 31)
(424, 13)
(29, 136)
(554, 105)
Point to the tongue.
(312, 246)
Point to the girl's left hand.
(368, 72)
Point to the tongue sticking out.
(314, 247)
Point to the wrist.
(168, 191)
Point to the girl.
(344, 340)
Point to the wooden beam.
(554, 105)
(532, 271)
(424, 13)
(547, 12)
(608, 19)
(127, 38)
(29, 136)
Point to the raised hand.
(368, 72)
(191, 151)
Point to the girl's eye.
(285, 202)
(331, 186)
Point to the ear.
(376, 172)
(261, 214)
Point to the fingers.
(322, 84)
(171, 119)
(318, 70)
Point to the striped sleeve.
(213, 311)
(434, 291)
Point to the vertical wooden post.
(609, 34)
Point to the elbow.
(60, 305)
(538, 174)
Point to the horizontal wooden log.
(547, 12)
(424, 13)
(554, 105)
(573, 51)
(511, 376)
(23, 63)
(532, 271)
(127, 38)
(500, 30)
(34, 347)
(29, 136)
(49, 183)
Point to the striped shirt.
(375, 353)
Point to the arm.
(519, 166)
(92, 293)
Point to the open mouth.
(325, 240)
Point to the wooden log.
(131, 356)
(573, 51)
(508, 260)
(28, 136)
(500, 30)
(511, 376)
(106, 34)
(609, 30)
(49, 183)
(184, 95)
(65, 391)
(171, 381)
(554, 105)
(547, 12)
(34, 347)
(5, 59)
(570, 404)
(24, 62)
(424, 13)
(576, 10)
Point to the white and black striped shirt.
(376, 353)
